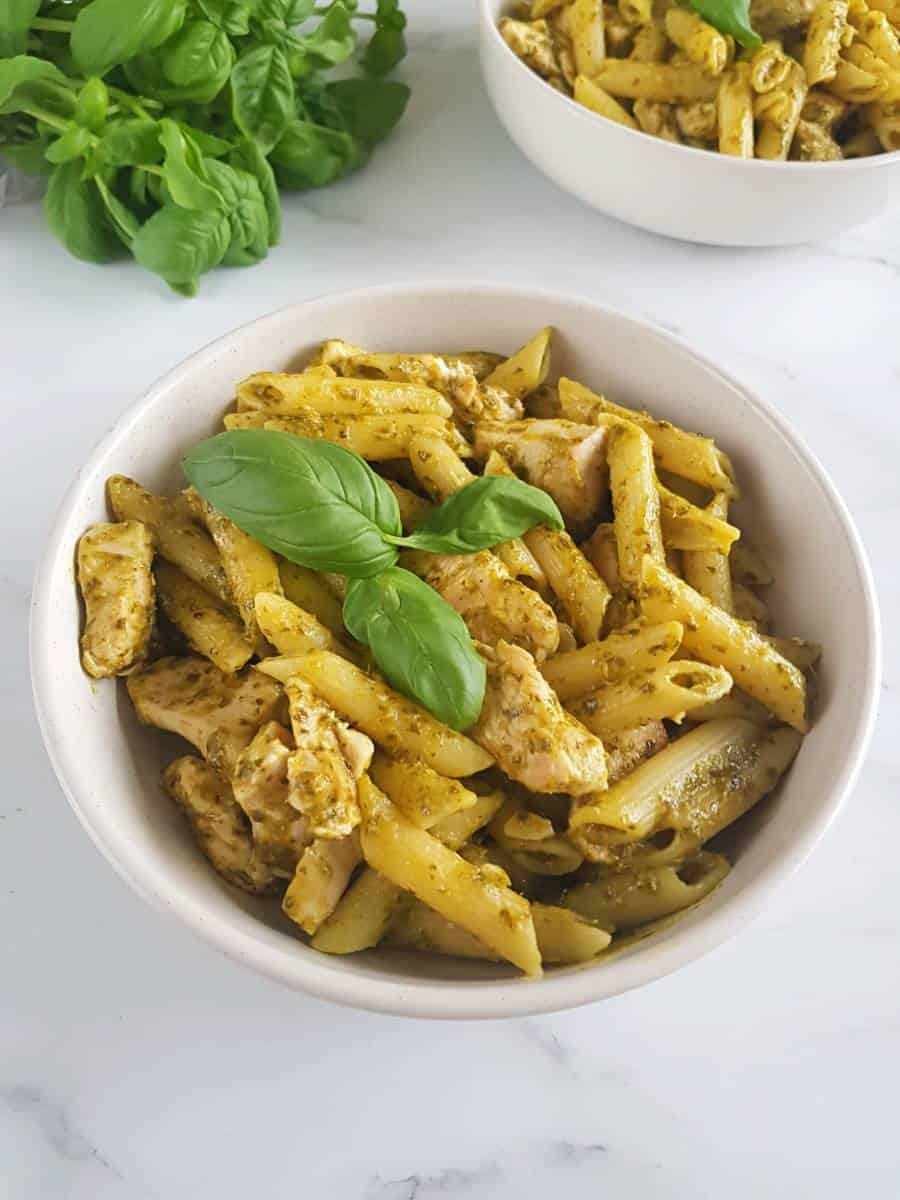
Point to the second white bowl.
(677, 190)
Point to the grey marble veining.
(136, 1063)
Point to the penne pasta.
(587, 31)
(526, 370)
(423, 795)
(377, 438)
(734, 112)
(479, 900)
(663, 82)
(717, 638)
(635, 648)
(700, 41)
(321, 878)
(207, 627)
(625, 899)
(668, 693)
(284, 394)
(580, 589)
(388, 718)
(632, 481)
(292, 630)
(592, 96)
(686, 454)
(309, 591)
(709, 571)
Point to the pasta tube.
(635, 648)
(320, 880)
(778, 112)
(267, 392)
(668, 692)
(635, 500)
(418, 791)
(376, 438)
(209, 630)
(583, 593)
(291, 630)
(388, 718)
(477, 899)
(686, 526)
(701, 42)
(666, 82)
(735, 112)
(717, 638)
(824, 39)
(587, 30)
(709, 571)
(685, 454)
(177, 538)
(592, 96)
(309, 591)
(628, 898)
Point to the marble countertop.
(136, 1063)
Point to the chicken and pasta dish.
(808, 80)
(464, 662)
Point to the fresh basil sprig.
(731, 17)
(324, 507)
(140, 95)
(311, 501)
(487, 511)
(420, 643)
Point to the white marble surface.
(136, 1063)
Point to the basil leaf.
(76, 216)
(26, 156)
(199, 57)
(315, 503)
(485, 512)
(121, 218)
(310, 155)
(262, 92)
(92, 106)
(15, 21)
(420, 643)
(333, 40)
(74, 143)
(132, 143)
(23, 69)
(298, 11)
(246, 213)
(34, 92)
(184, 169)
(370, 107)
(110, 32)
(248, 156)
(180, 244)
(233, 16)
(729, 16)
(385, 49)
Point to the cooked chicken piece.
(493, 605)
(221, 829)
(524, 726)
(321, 878)
(533, 42)
(774, 17)
(117, 585)
(323, 770)
(215, 712)
(260, 786)
(564, 458)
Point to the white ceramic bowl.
(676, 190)
(109, 766)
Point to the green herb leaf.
(729, 16)
(310, 155)
(27, 156)
(23, 69)
(248, 156)
(313, 502)
(298, 11)
(93, 105)
(482, 514)
(246, 213)
(76, 215)
(233, 16)
(420, 643)
(15, 21)
(262, 91)
(184, 169)
(110, 32)
(371, 107)
(133, 142)
(121, 218)
(74, 143)
(38, 94)
(198, 57)
(180, 244)
(333, 40)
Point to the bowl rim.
(568, 104)
(417, 997)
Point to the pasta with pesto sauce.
(636, 701)
(820, 84)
